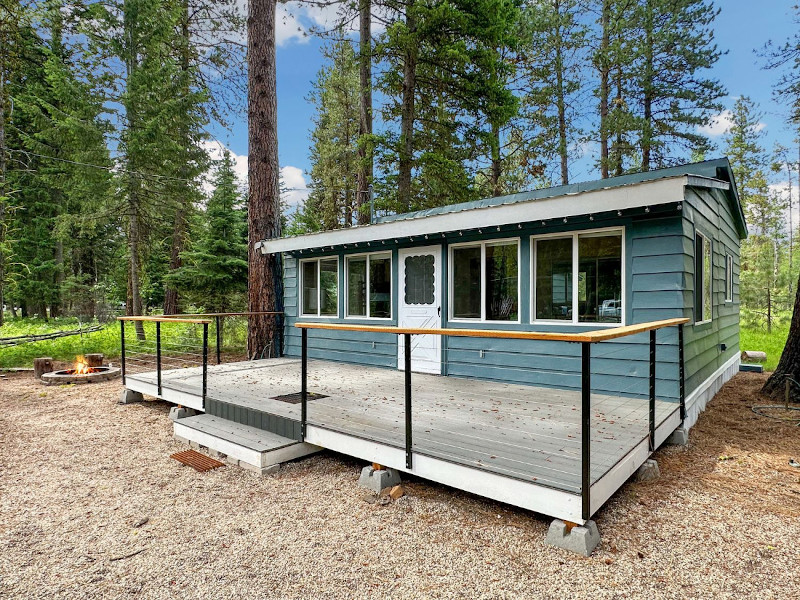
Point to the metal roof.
(719, 169)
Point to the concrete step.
(249, 447)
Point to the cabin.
(534, 348)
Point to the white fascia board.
(650, 193)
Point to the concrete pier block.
(377, 480)
(181, 412)
(579, 539)
(129, 397)
(648, 471)
(679, 437)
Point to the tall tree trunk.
(55, 304)
(134, 304)
(647, 85)
(789, 364)
(2, 176)
(604, 68)
(406, 158)
(263, 211)
(620, 141)
(180, 227)
(365, 161)
(560, 99)
(497, 165)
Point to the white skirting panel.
(696, 401)
(174, 396)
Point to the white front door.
(419, 306)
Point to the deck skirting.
(697, 401)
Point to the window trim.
(319, 287)
(575, 234)
(367, 255)
(450, 283)
(728, 277)
(701, 286)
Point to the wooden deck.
(531, 434)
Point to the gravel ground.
(91, 506)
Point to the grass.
(105, 341)
(757, 338)
(176, 338)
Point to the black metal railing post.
(652, 390)
(205, 363)
(586, 429)
(158, 355)
(409, 440)
(217, 321)
(122, 348)
(681, 375)
(303, 382)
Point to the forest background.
(116, 194)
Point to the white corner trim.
(660, 191)
(697, 401)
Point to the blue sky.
(742, 27)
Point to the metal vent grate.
(295, 397)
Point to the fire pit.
(82, 373)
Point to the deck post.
(652, 390)
(586, 429)
(217, 320)
(205, 363)
(409, 442)
(681, 374)
(303, 382)
(122, 349)
(158, 355)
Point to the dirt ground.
(91, 506)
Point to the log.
(93, 360)
(754, 356)
(41, 366)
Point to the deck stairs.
(247, 446)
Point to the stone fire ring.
(69, 376)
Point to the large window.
(485, 281)
(369, 286)
(319, 283)
(578, 278)
(702, 279)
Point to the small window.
(369, 286)
(485, 281)
(728, 278)
(702, 279)
(578, 278)
(320, 287)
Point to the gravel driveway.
(91, 506)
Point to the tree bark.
(406, 154)
(2, 178)
(647, 126)
(180, 227)
(365, 160)
(560, 99)
(789, 363)
(605, 23)
(263, 211)
(497, 166)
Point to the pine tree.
(552, 58)
(333, 200)
(214, 271)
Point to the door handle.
(439, 311)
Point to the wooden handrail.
(162, 319)
(598, 335)
(232, 314)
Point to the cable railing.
(155, 345)
(585, 339)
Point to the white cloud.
(215, 150)
(295, 20)
(721, 123)
(294, 181)
(782, 189)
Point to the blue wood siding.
(659, 271)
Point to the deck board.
(530, 433)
